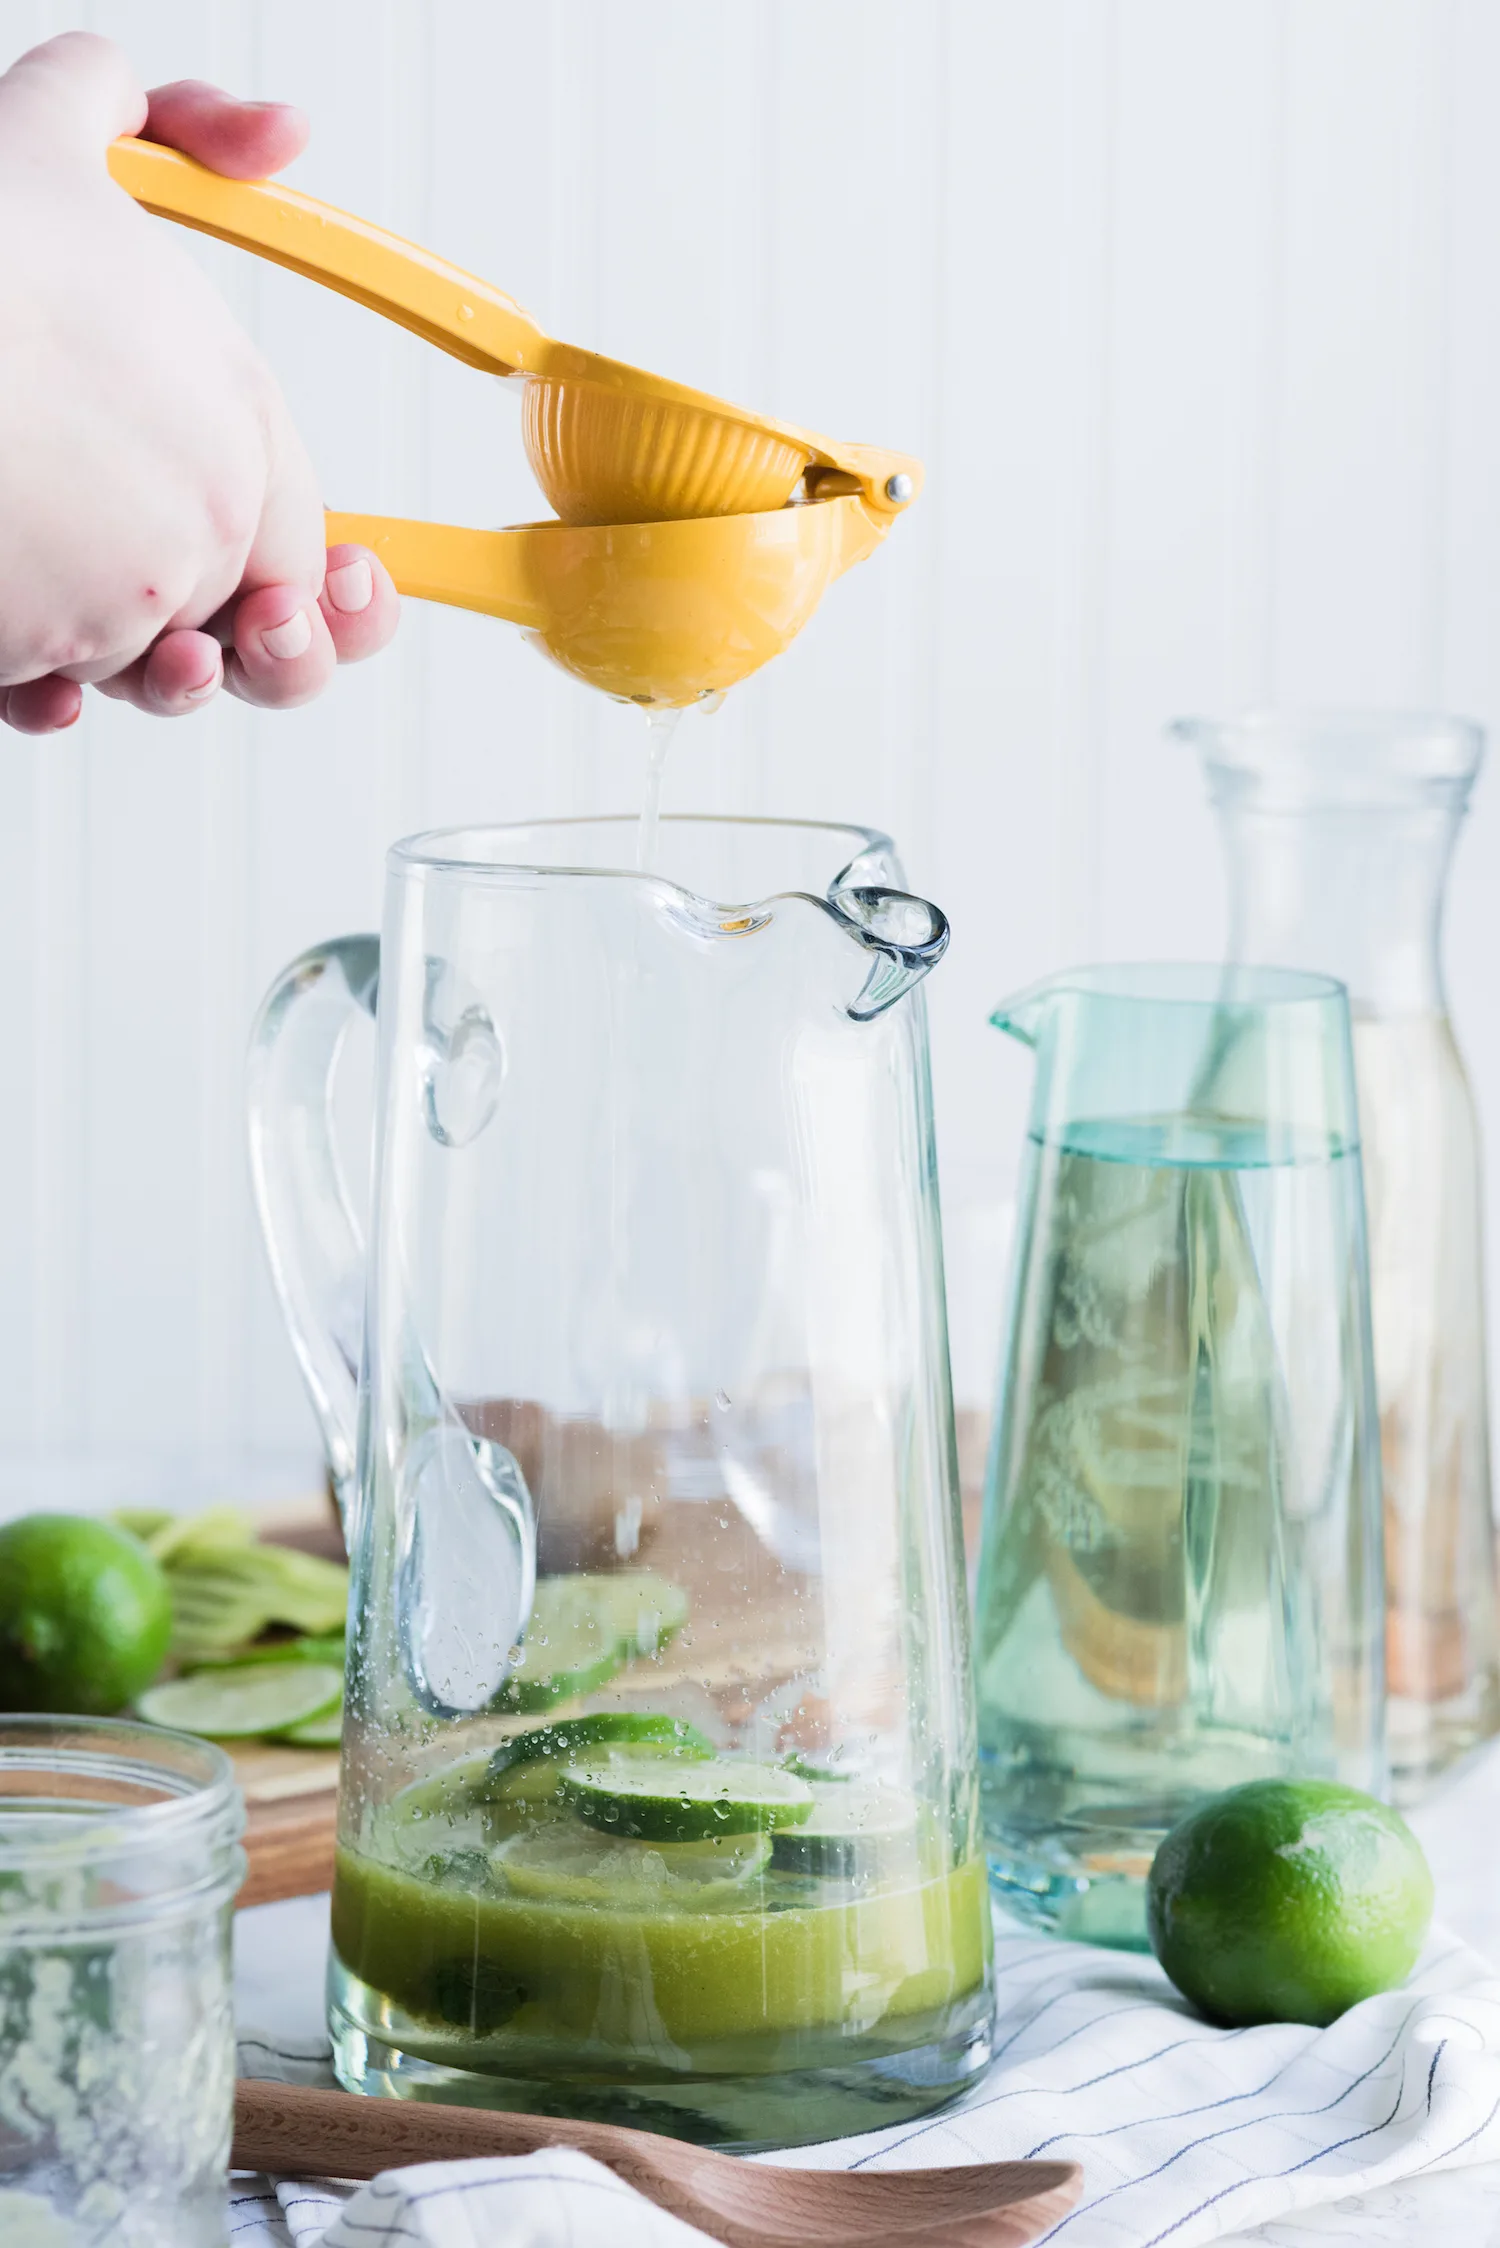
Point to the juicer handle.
(464, 569)
(462, 315)
(314, 1242)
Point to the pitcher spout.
(906, 934)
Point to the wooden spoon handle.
(295, 2128)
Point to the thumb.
(248, 140)
(78, 88)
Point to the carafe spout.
(1025, 1014)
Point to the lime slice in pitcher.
(583, 1627)
(642, 1608)
(657, 1799)
(239, 1703)
(606, 1728)
(562, 1657)
(564, 1863)
(853, 1831)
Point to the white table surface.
(280, 1951)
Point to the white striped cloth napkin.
(1186, 2134)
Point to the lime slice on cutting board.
(326, 1731)
(658, 1799)
(854, 1830)
(562, 1862)
(317, 1647)
(236, 1704)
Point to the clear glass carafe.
(1180, 1573)
(1339, 829)
(658, 1793)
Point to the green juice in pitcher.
(605, 1915)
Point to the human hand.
(161, 530)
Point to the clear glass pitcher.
(1339, 829)
(659, 1793)
(1180, 1580)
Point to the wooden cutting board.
(291, 1806)
(291, 1794)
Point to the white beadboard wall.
(1192, 308)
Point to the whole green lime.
(1288, 1901)
(85, 1615)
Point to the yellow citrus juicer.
(694, 539)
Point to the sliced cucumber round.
(567, 1737)
(855, 1830)
(251, 1698)
(660, 1800)
(561, 1862)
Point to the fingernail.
(350, 587)
(201, 694)
(293, 638)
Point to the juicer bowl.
(666, 613)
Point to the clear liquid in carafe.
(1427, 1309)
(1148, 1614)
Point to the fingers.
(246, 140)
(360, 606)
(282, 651)
(41, 706)
(177, 675)
(86, 84)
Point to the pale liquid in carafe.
(1147, 1620)
(1427, 1306)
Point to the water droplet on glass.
(722, 1399)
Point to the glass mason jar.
(1338, 829)
(1179, 1584)
(118, 1866)
(658, 1794)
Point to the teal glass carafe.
(1180, 1582)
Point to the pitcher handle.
(314, 1241)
